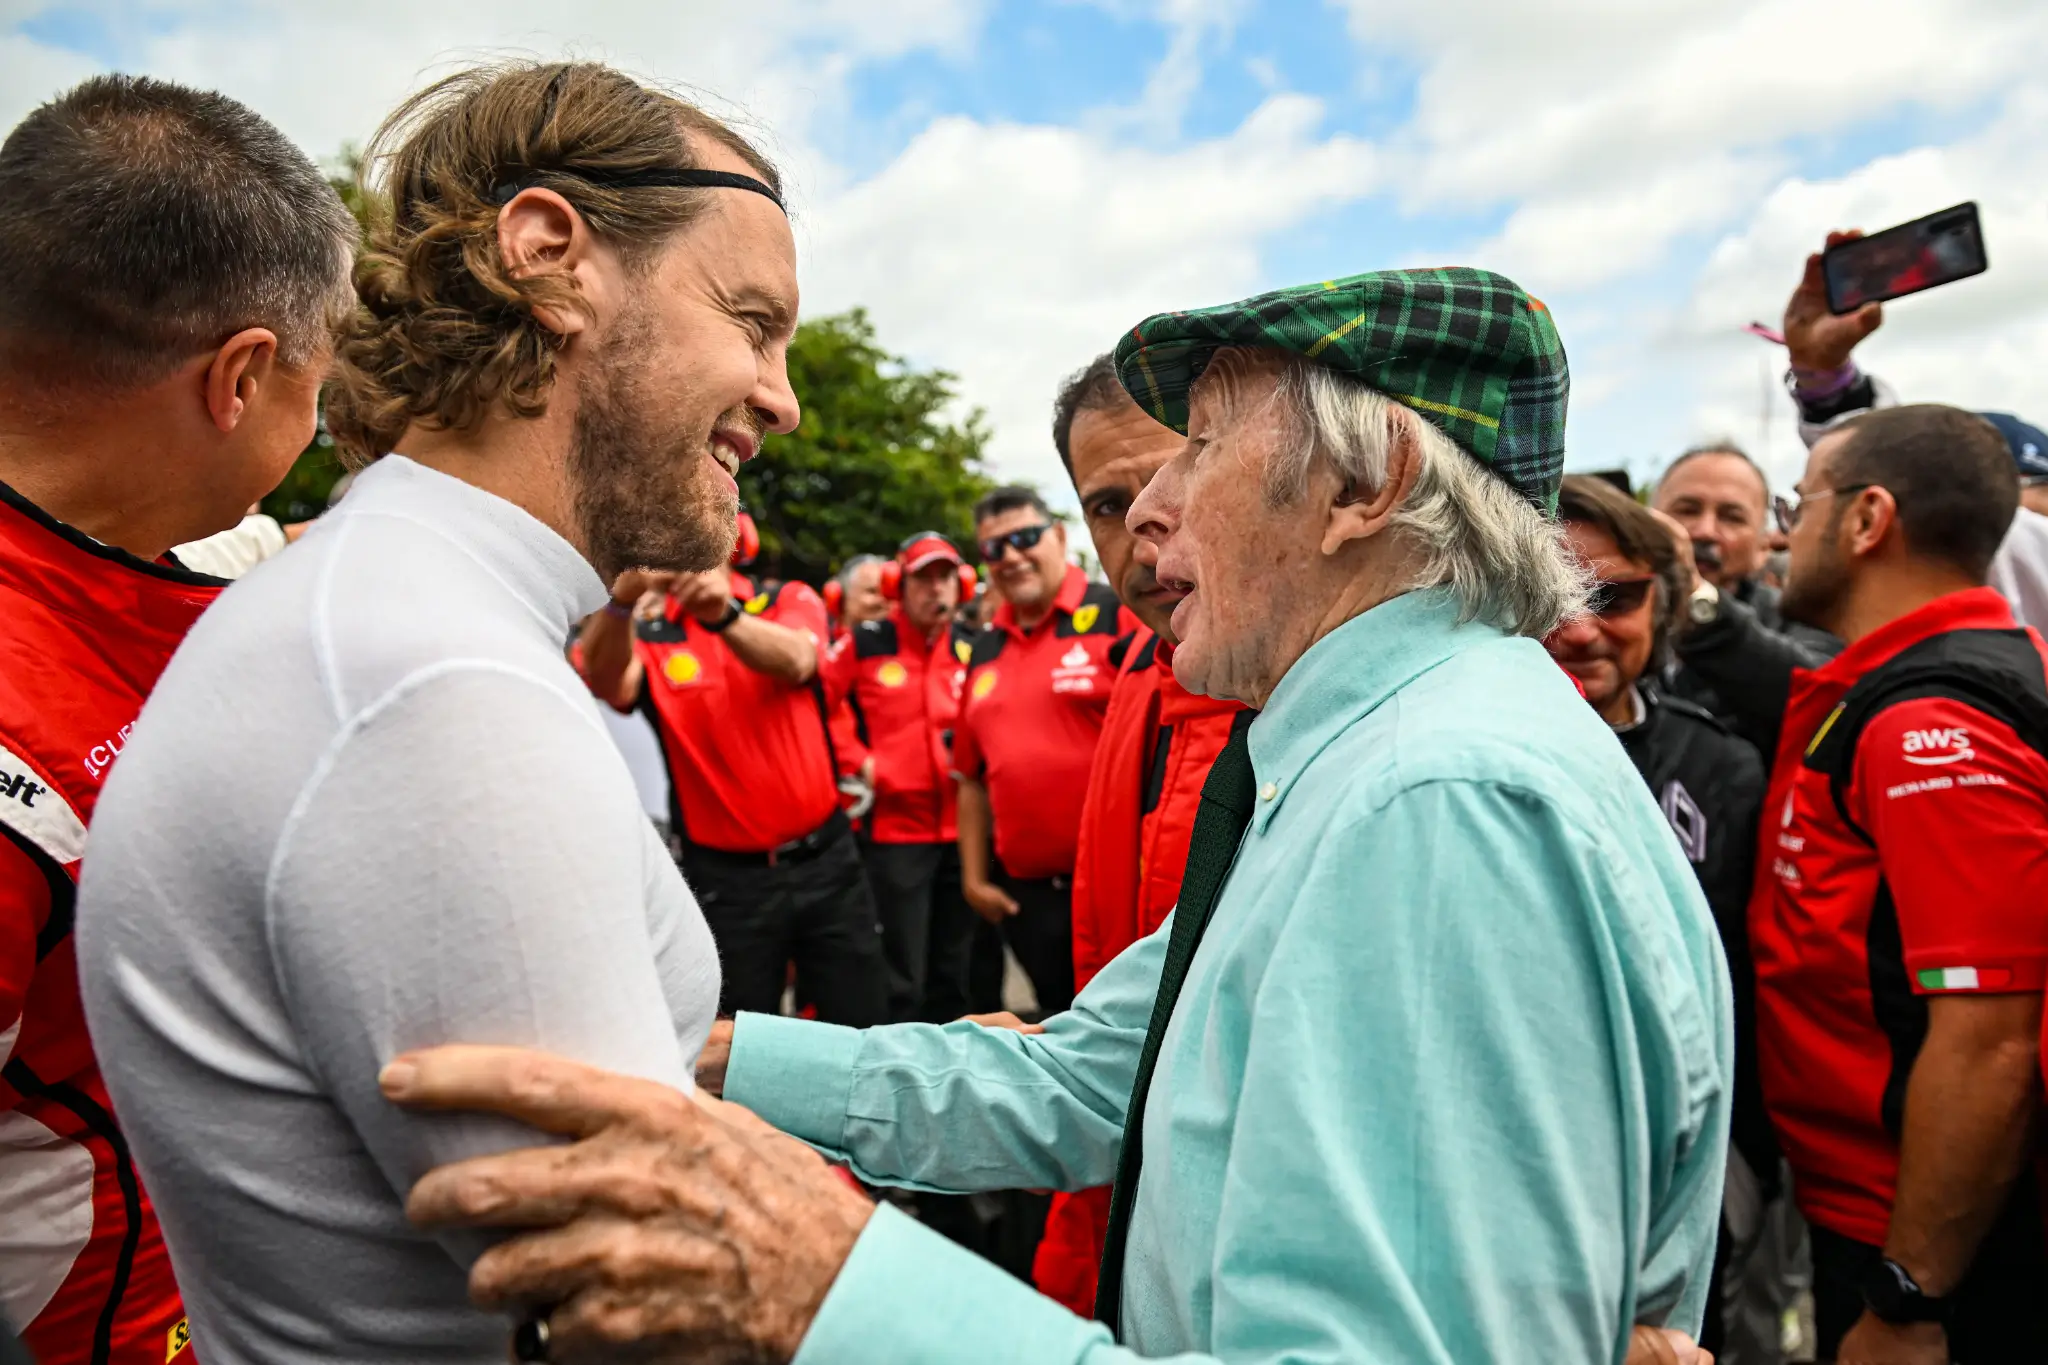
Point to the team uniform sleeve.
(472, 866)
(1958, 808)
(967, 760)
(799, 607)
(24, 909)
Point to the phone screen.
(1906, 259)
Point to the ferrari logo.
(962, 651)
(1084, 617)
(179, 1337)
(892, 674)
(984, 684)
(757, 604)
(682, 668)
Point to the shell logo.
(891, 674)
(984, 684)
(682, 668)
(1084, 617)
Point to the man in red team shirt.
(728, 672)
(901, 674)
(1898, 920)
(1037, 686)
(159, 367)
(1158, 742)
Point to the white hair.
(1504, 561)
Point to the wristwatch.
(1894, 1296)
(1703, 607)
(732, 614)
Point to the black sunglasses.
(1613, 597)
(1021, 540)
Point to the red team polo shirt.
(1032, 713)
(85, 630)
(1954, 897)
(1158, 743)
(749, 763)
(905, 695)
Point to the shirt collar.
(1639, 711)
(1346, 675)
(1970, 609)
(1072, 588)
(544, 571)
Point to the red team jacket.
(84, 632)
(904, 695)
(1946, 894)
(1158, 744)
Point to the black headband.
(655, 178)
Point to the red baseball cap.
(927, 547)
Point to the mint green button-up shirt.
(1448, 1081)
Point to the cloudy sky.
(1007, 184)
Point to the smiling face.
(681, 383)
(1030, 579)
(1607, 651)
(1115, 453)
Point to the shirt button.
(1269, 791)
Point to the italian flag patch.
(1963, 978)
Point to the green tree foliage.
(872, 462)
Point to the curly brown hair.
(443, 332)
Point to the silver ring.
(531, 1339)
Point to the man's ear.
(244, 362)
(540, 232)
(1357, 511)
(1870, 519)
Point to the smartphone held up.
(1938, 249)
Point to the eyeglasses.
(1787, 514)
(1021, 540)
(1612, 597)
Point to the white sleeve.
(469, 865)
(235, 551)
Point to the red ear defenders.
(835, 596)
(749, 543)
(892, 569)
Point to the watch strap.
(723, 623)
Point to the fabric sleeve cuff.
(794, 1073)
(1991, 975)
(907, 1296)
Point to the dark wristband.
(1892, 1295)
(723, 623)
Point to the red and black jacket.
(1903, 853)
(1158, 743)
(85, 631)
(905, 695)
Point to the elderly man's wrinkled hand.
(672, 1228)
(712, 1061)
(1661, 1346)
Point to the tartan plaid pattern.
(1465, 348)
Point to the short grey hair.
(1505, 562)
(144, 222)
(854, 566)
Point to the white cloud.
(1979, 343)
(1013, 255)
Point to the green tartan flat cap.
(1465, 348)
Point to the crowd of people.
(1468, 912)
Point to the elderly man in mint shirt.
(1431, 1062)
